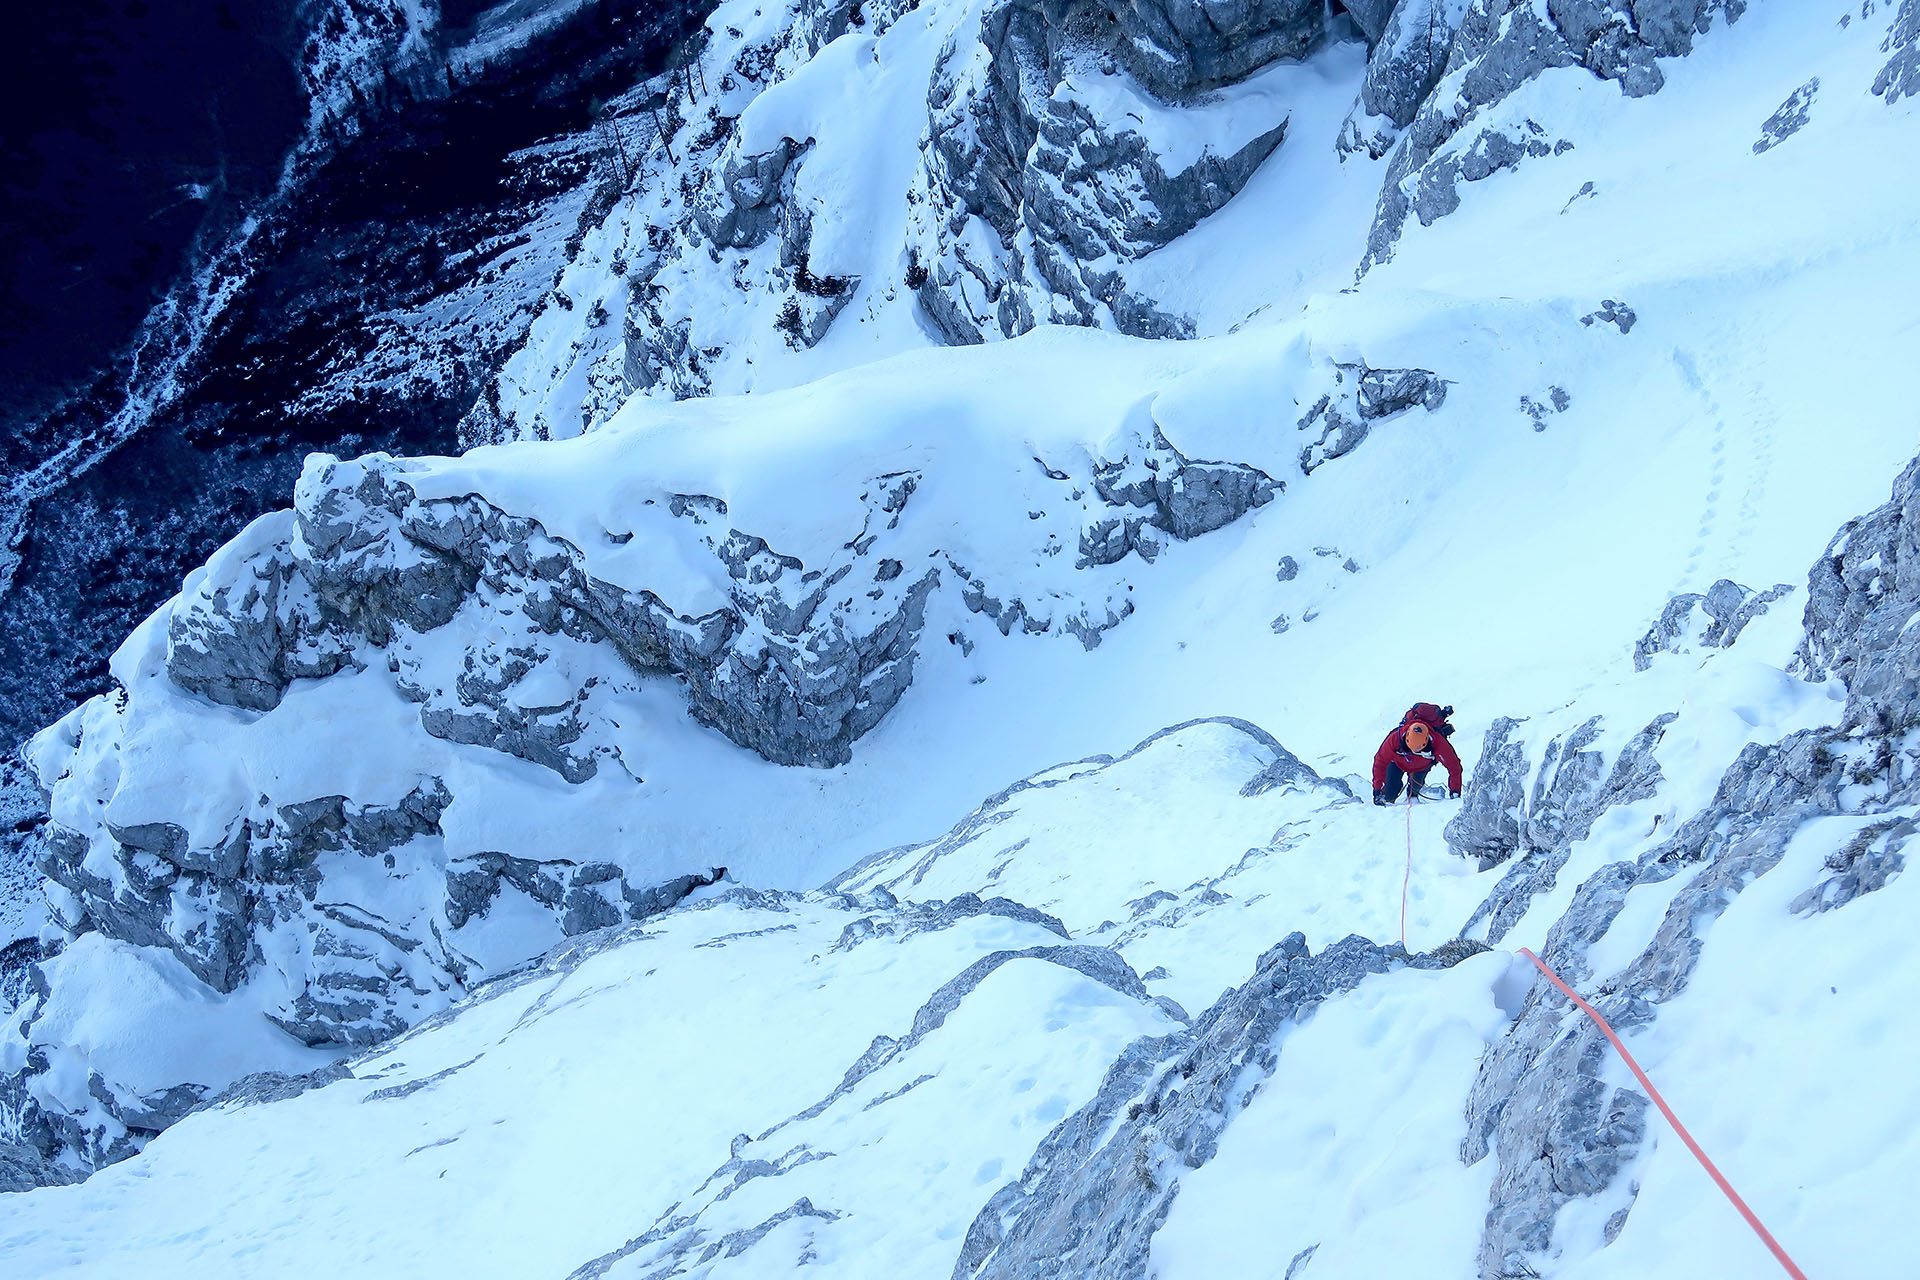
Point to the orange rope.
(1665, 1110)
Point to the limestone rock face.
(1410, 57)
(1713, 620)
(745, 207)
(1068, 141)
(1540, 1104)
(1041, 181)
(22, 1168)
(1492, 47)
(1860, 597)
(1900, 78)
(1361, 397)
(1102, 1183)
(367, 560)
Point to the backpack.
(1434, 717)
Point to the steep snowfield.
(730, 1017)
(1671, 356)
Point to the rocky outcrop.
(1177, 47)
(1500, 819)
(743, 209)
(22, 1168)
(1711, 621)
(1444, 107)
(783, 669)
(1360, 398)
(1180, 497)
(1407, 61)
(1860, 597)
(1038, 189)
(343, 902)
(1789, 119)
(1900, 78)
(340, 916)
(1100, 1185)
(1540, 1103)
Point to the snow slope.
(1646, 348)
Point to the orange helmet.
(1418, 736)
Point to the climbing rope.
(1407, 879)
(1658, 1101)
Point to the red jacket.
(1394, 750)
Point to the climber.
(1412, 748)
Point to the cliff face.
(375, 263)
(1146, 405)
(371, 249)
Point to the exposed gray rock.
(1179, 496)
(1900, 78)
(1487, 826)
(1867, 863)
(744, 208)
(484, 712)
(275, 1086)
(1110, 194)
(1181, 47)
(204, 904)
(70, 1141)
(254, 638)
(1385, 392)
(1065, 198)
(22, 1168)
(1557, 401)
(1371, 17)
(20, 978)
(1860, 597)
(1103, 1181)
(808, 315)
(202, 920)
(1712, 621)
(356, 977)
(153, 1112)
(1498, 820)
(1361, 397)
(588, 896)
(1409, 57)
(1617, 314)
(1451, 138)
(1539, 1101)
(1789, 119)
(369, 557)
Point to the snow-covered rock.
(400, 823)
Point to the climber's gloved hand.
(1380, 797)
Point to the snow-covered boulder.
(1713, 619)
